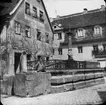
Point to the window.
(80, 49)
(34, 12)
(59, 36)
(27, 31)
(17, 27)
(27, 8)
(104, 47)
(80, 32)
(95, 47)
(41, 16)
(28, 57)
(97, 30)
(38, 35)
(47, 38)
(53, 51)
(60, 51)
(54, 26)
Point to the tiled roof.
(80, 20)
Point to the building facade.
(88, 33)
(26, 33)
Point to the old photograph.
(52, 52)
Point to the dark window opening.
(17, 27)
(60, 51)
(95, 47)
(80, 49)
(27, 32)
(27, 8)
(47, 38)
(104, 47)
(41, 16)
(38, 35)
(54, 26)
(53, 51)
(28, 57)
(59, 36)
(34, 12)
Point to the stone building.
(88, 30)
(26, 32)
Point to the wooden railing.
(63, 65)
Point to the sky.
(66, 7)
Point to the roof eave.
(16, 7)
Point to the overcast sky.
(65, 7)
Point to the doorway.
(16, 61)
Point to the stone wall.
(32, 84)
(26, 84)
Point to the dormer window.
(27, 8)
(54, 26)
(80, 33)
(97, 30)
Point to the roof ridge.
(77, 14)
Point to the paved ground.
(86, 96)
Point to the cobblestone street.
(86, 96)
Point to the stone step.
(59, 80)
(79, 85)
(57, 89)
(90, 82)
(99, 81)
(76, 85)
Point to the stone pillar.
(11, 64)
(0, 66)
(0, 57)
(24, 62)
(69, 47)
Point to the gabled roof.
(94, 17)
(10, 9)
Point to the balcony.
(99, 53)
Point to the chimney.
(85, 10)
(102, 7)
